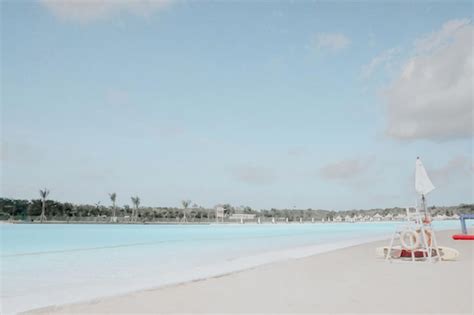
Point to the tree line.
(43, 209)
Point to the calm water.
(54, 264)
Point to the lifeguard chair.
(416, 238)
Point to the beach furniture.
(416, 238)
(464, 236)
(446, 253)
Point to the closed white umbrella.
(423, 184)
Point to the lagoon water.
(50, 264)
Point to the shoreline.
(217, 282)
(235, 265)
(207, 223)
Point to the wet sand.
(350, 280)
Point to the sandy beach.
(350, 280)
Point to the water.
(55, 264)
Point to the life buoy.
(410, 235)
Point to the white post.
(435, 243)
(413, 250)
(389, 253)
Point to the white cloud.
(432, 98)
(84, 11)
(384, 59)
(256, 175)
(455, 169)
(441, 37)
(332, 42)
(346, 169)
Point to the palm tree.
(97, 210)
(113, 198)
(185, 204)
(44, 194)
(136, 203)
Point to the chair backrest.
(413, 214)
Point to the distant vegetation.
(50, 210)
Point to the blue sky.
(266, 104)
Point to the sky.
(284, 104)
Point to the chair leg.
(425, 245)
(435, 243)
(389, 252)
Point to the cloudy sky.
(267, 104)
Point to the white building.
(400, 217)
(219, 213)
(377, 217)
(242, 216)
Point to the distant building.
(400, 217)
(242, 216)
(377, 217)
(220, 213)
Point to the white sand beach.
(350, 280)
